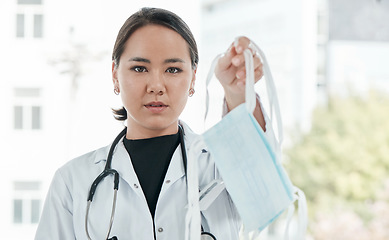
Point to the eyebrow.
(174, 60)
(169, 60)
(139, 59)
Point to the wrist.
(233, 99)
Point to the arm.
(57, 219)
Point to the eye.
(139, 69)
(173, 70)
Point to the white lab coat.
(63, 215)
(64, 211)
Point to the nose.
(156, 84)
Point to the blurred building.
(353, 46)
(34, 113)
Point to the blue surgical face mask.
(249, 165)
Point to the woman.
(154, 65)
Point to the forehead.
(156, 41)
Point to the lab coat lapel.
(176, 168)
(175, 171)
(121, 161)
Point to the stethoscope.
(109, 171)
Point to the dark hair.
(143, 17)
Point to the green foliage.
(344, 160)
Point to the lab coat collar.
(122, 163)
(176, 168)
(189, 135)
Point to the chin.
(161, 125)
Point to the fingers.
(234, 54)
(241, 43)
(258, 70)
(226, 60)
(230, 69)
(258, 74)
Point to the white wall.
(356, 67)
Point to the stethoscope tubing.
(108, 171)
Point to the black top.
(151, 158)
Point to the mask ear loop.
(302, 213)
(193, 217)
(208, 80)
(251, 103)
(274, 105)
(289, 217)
(250, 92)
(271, 92)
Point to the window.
(27, 92)
(36, 117)
(29, 1)
(18, 211)
(26, 202)
(18, 115)
(29, 19)
(26, 210)
(27, 109)
(35, 210)
(38, 26)
(20, 25)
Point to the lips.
(156, 107)
(156, 104)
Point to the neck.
(136, 132)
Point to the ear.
(114, 75)
(192, 83)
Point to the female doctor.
(154, 65)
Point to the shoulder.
(85, 160)
(191, 138)
(83, 169)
